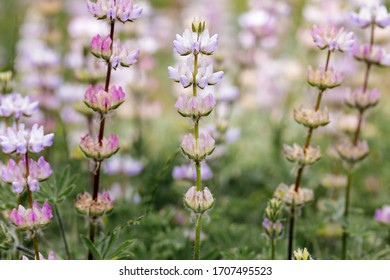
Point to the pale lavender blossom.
(99, 151)
(123, 56)
(362, 100)
(123, 165)
(371, 54)
(195, 106)
(186, 44)
(122, 10)
(21, 140)
(188, 172)
(197, 149)
(332, 38)
(207, 44)
(382, 215)
(16, 106)
(16, 174)
(371, 14)
(31, 218)
(102, 101)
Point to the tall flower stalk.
(331, 39)
(196, 71)
(361, 99)
(103, 99)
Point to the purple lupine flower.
(186, 44)
(183, 74)
(101, 48)
(15, 174)
(31, 218)
(123, 165)
(332, 38)
(371, 54)
(195, 106)
(197, 150)
(371, 14)
(93, 149)
(207, 45)
(206, 75)
(382, 215)
(16, 106)
(188, 172)
(21, 140)
(101, 101)
(123, 56)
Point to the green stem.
(198, 177)
(198, 227)
(290, 243)
(272, 249)
(345, 216)
(62, 231)
(36, 249)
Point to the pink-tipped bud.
(101, 101)
(31, 218)
(197, 149)
(86, 205)
(99, 151)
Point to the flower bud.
(352, 153)
(324, 79)
(297, 154)
(197, 149)
(288, 195)
(198, 201)
(273, 229)
(195, 106)
(31, 218)
(311, 118)
(363, 100)
(102, 101)
(198, 25)
(86, 205)
(301, 255)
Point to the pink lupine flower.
(199, 201)
(93, 149)
(86, 205)
(363, 100)
(21, 140)
(371, 14)
(195, 106)
(101, 48)
(31, 218)
(374, 55)
(382, 215)
(197, 150)
(122, 10)
(15, 174)
(16, 106)
(101, 101)
(332, 38)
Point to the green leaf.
(91, 247)
(121, 251)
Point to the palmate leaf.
(92, 247)
(122, 251)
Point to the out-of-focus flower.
(301, 255)
(123, 165)
(272, 229)
(332, 38)
(86, 205)
(372, 54)
(195, 106)
(363, 100)
(382, 215)
(333, 181)
(188, 172)
(297, 154)
(122, 10)
(371, 14)
(21, 140)
(311, 118)
(288, 194)
(199, 201)
(197, 149)
(15, 174)
(324, 79)
(102, 101)
(31, 218)
(205, 73)
(50, 257)
(99, 151)
(14, 105)
(352, 153)
(5, 77)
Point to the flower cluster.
(302, 156)
(102, 101)
(332, 38)
(324, 79)
(371, 54)
(311, 118)
(99, 151)
(362, 100)
(31, 218)
(272, 222)
(15, 174)
(195, 107)
(375, 14)
(352, 153)
(14, 105)
(301, 255)
(197, 149)
(198, 201)
(86, 205)
(290, 196)
(122, 10)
